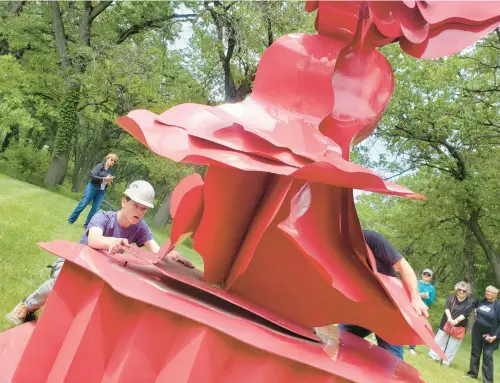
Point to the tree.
(230, 37)
(76, 47)
(432, 125)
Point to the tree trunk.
(469, 269)
(57, 170)
(12, 134)
(64, 137)
(475, 228)
(162, 215)
(79, 176)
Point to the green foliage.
(25, 162)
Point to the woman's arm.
(448, 314)
(95, 173)
(447, 310)
(496, 322)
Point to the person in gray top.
(100, 178)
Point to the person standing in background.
(451, 330)
(427, 293)
(485, 334)
(101, 177)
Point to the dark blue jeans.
(363, 333)
(92, 194)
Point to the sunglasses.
(426, 274)
(462, 291)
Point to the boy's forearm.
(101, 242)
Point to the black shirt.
(98, 174)
(488, 315)
(457, 308)
(385, 254)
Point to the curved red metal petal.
(186, 208)
(231, 200)
(448, 39)
(337, 19)
(200, 121)
(435, 11)
(175, 143)
(185, 185)
(276, 193)
(314, 225)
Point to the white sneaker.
(412, 352)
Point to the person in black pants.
(485, 335)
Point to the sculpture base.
(12, 345)
(106, 323)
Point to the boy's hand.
(119, 246)
(176, 257)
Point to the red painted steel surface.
(12, 346)
(107, 323)
(274, 220)
(424, 29)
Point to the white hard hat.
(141, 192)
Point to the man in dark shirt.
(388, 261)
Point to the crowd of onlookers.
(485, 331)
(457, 313)
(454, 323)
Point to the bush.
(25, 163)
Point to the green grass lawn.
(29, 214)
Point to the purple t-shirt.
(108, 222)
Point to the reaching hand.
(176, 257)
(420, 307)
(119, 246)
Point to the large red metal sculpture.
(274, 221)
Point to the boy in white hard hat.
(108, 230)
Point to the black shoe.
(30, 317)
